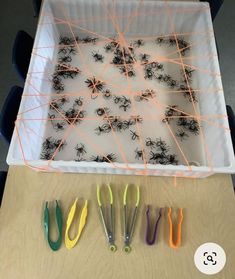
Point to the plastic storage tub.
(164, 25)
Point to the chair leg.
(231, 121)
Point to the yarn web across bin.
(124, 87)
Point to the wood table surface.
(209, 216)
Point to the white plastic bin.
(211, 152)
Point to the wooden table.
(209, 216)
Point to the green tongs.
(54, 245)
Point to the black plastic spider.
(121, 100)
(148, 93)
(108, 158)
(188, 71)
(78, 102)
(151, 69)
(102, 111)
(136, 119)
(110, 47)
(160, 67)
(80, 149)
(67, 45)
(66, 41)
(74, 116)
(127, 71)
(193, 126)
(150, 143)
(127, 123)
(65, 59)
(155, 65)
(63, 100)
(151, 65)
(116, 99)
(60, 144)
(111, 157)
(118, 60)
(72, 50)
(56, 79)
(172, 83)
(158, 158)
(183, 46)
(171, 159)
(119, 126)
(88, 40)
(125, 103)
(162, 146)
(67, 71)
(105, 128)
(54, 105)
(51, 116)
(71, 114)
(182, 135)
(145, 95)
(48, 144)
(46, 155)
(125, 100)
(63, 50)
(81, 114)
(144, 58)
(129, 55)
(125, 107)
(138, 43)
(57, 84)
(172, 41)
(94, 84)
(167, 78)
(112, 119)
(190, 95)
(59, 126)
(183, 87)
(139, 154)
(160, 78)
(107, 94)
(169, 112)
(182, 121)
(97, 159)
(149, 74)
(123, 56)
(134, 135)
(159, 40)
(116, 124)
(98, 57)
(58, 103)
(182, 42)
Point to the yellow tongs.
(70, 243)
(129, 226)
(108, 222)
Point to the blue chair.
(36, 7)
(3, 176)
(215, 5)
(21, 53)
(9, 113)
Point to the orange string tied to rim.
(177, 242)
